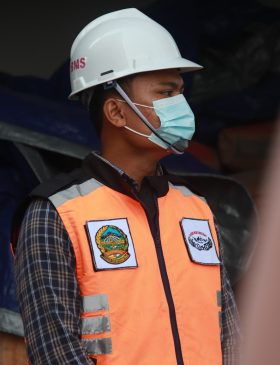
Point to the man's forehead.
(169, 78)
(172, 84)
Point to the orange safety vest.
(126, 314)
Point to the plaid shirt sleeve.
(230, 323)
(47, 289)
(231, 334)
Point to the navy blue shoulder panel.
(43, 191)
(59, 182)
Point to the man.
(117, 262)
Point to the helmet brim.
(182, 64)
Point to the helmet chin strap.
(122, 93)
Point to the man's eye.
(167, 92)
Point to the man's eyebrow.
(172, 84)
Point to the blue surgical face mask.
(177, 123)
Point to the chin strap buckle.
(109, 85)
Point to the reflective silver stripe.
(99, 324)
(185, 191)
(219, 298)
(93, 303)
(11, 322)
(74, 191)
(98, 346)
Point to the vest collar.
(115, 178)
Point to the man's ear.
(114, 112)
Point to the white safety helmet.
(119, 44)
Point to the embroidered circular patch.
(200, 241)
(113, 244)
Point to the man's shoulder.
(58, 183)
(185, 181)
(42, 193)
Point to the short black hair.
(98, 98)
(95, 108)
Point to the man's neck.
(136, 167)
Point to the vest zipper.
(154, 227)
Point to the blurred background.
(235, 99)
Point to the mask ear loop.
(139, 133)
(145, 106)
(142, 117)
